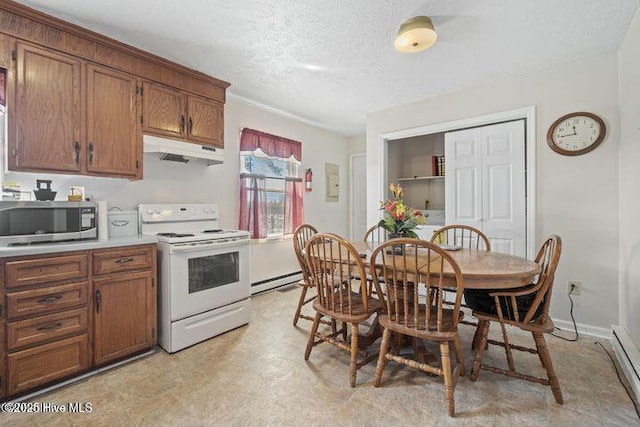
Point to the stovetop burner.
(175, 235)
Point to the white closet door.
(485, 184)
(503, 187)
(462, 180)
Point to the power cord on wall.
(633, 400)
(575, 327)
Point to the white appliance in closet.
(485, 183)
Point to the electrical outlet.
(574, 288)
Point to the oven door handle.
(183, 248)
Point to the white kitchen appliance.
(203, 273)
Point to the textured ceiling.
(329, 62)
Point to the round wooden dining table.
(480, 269)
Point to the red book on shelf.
(434, 165)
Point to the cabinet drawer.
(37, 366)
(46, 300)
(46, 270)
(114, 261)
(46, 328)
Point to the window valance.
(271, 145)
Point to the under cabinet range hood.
(182, 151)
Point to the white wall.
(357, 144)
(577, 197)
(168, 182)
(629, 63)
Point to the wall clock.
(576, 133)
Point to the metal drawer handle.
(49, 299)
(49, 327)
(123, 260)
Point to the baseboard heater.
(275, 282)
(628, 357)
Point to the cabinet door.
(114, 141)
(125, 315)
(206, 121)
(45, 116)
(164, 111)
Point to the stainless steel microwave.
(23, 223)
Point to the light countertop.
(79, 245)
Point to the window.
(270, 186)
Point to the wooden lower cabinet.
(40, 365)
(124, 307)
(80, 319)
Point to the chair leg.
(459, 357)
(545, 358)
(476, 337)
(507, 348)
(449, 384)
(300, 304)
(354, 353)
(483, 325)
(312, 335)
(382, 360)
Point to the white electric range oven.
(203, 273)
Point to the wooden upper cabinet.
(176, 114)
(45, 112)
(206, 121)
(113, 133)
(164, 111)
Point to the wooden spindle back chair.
(461, 235)
(528, 309)
(300, 236)
(466, 237)
(376, 235)
(335, 269)
(415, 281)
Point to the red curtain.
(253, 205)
(3, 81)
(271, 145)
(293, 214)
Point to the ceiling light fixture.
(415, 34)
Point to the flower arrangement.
(398, 218)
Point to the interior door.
(485, 183)
(359, 224)
(463, 163)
